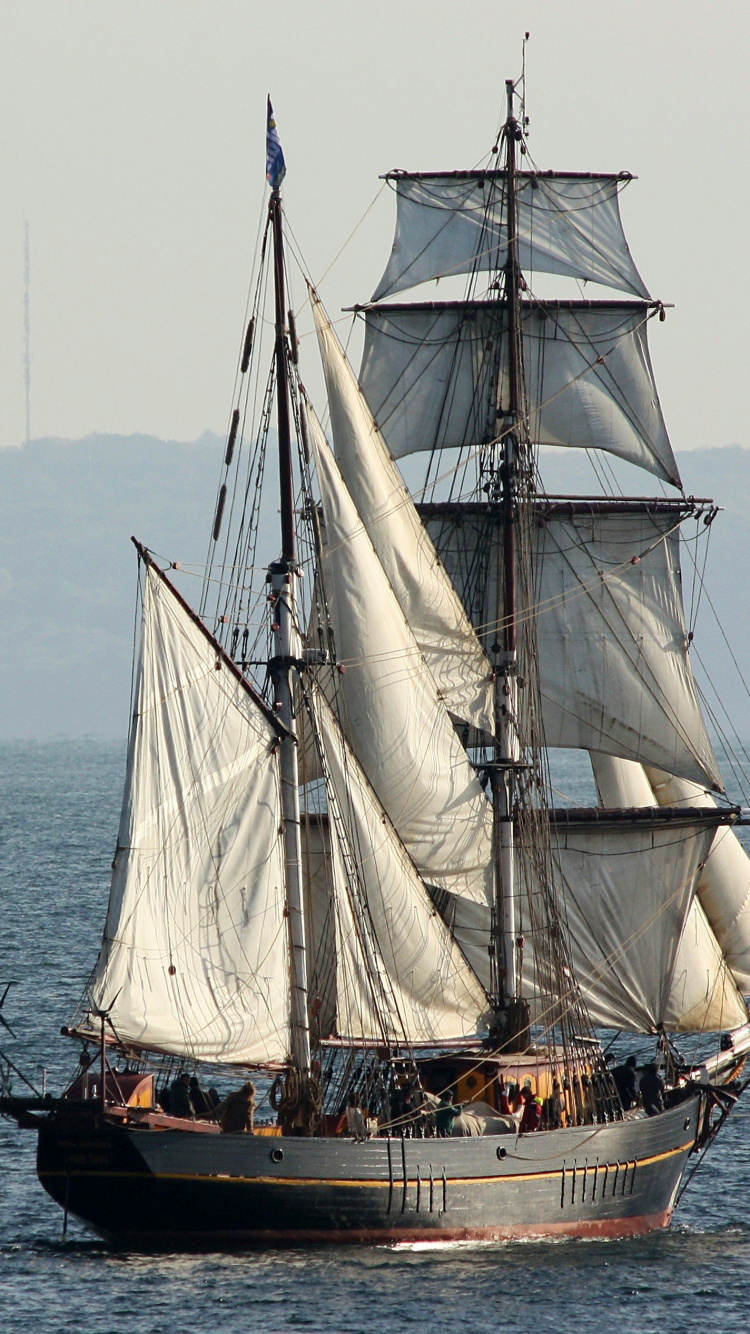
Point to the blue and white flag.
(275, 164)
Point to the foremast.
(283, 575)
(513, 1012)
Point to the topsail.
(435, 375)
(455, 222)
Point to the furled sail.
(456, 222)
(195, 960)
(435, 376)
(434, 611)
(724, 885)
(613, 653)
(400, 975)
(394, 718)
(702, 993)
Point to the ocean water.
(59, 806)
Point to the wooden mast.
(514, 1012)
(282, 577)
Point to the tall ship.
(341, 872)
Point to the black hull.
(181, 1188)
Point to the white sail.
(641, 948)
(703, 996)
(456, 223)
(319, 873)
(724, 885)
(461, 670)
(393, 715)
(194, 960)
(434, 374)
(613, 653)
(400, 974)
(641, 953)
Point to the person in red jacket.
(532, 1113)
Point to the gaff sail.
(194, 960)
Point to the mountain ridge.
(68, 507)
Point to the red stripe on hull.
(608, 1228)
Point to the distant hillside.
(67, 509)
(67, 569)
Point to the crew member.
(652, 1091)
(445, 1115)
(626, 1083)
(236, 1114)
(180, 1103)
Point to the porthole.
(686, 1123)
(277, 1155)
(501, 1153)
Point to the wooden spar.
(552, 507)
(579, 303)
(220, 652)
(506, 684)
(283, 578)
(500, 173)
(286, 483)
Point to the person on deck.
(532, 1113)
(355, 1119)
(236, 1114)
(180, 1103)
(445, 1115)
(652, 1091)
(199, 1099)
(626, 1083)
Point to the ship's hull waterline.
(154, 1188)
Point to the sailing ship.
(339, 863)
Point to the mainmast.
(508, 943)
(283, 576)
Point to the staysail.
(194, 960)
(393, 715)
(436, 374)
(400, 975)
(434, 611)
(456, 222)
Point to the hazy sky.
(133, 142)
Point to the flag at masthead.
(275, 164)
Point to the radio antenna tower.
(27, 330)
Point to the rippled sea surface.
(59, 805)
